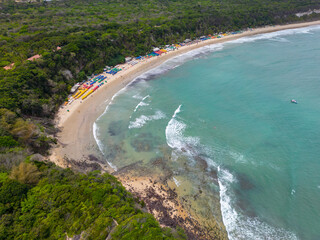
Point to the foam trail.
(137, 96)
(280, 39)
(145, 97)
(238, 157)
(111, 101)
(275, 35)
(176, 181)
(177, 111)
(140, 104)
(173, 129)
(142, 120)
(176, 140)
(240, 227)
(100, 145)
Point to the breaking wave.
(175, 138)
(275, 35)
(240, 227)
(137, 96)
(100, 145)
(142, 103)
(280, 39)
(142, 120)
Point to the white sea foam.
(111, 101)
(174, 134)
(176, 139)
(176, 182)
(137, 96)
(210, 161)
(142, 120)
(100, 145)
(95, 135)
(275, 35)
(238, 157)
(280, 39)
(144, 98)
(140, 104)
(240, 227)
(229, 215)
(95, 130)
(177, 111)
(174, 131)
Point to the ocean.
(223, 115)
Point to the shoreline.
(77, 147)
(162, 199)
(75, 138)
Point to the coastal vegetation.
(96, 33)
(72, 40)
(42, 201)
(78, 38)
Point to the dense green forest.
(95, 33)
(42, 201)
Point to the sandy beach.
(76, 139)
(78, 150)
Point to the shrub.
(26, 173)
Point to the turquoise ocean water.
(229, 104)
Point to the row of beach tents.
(158, 51)
(85, 89)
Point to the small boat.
(294, 101)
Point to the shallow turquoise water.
(230, 105)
